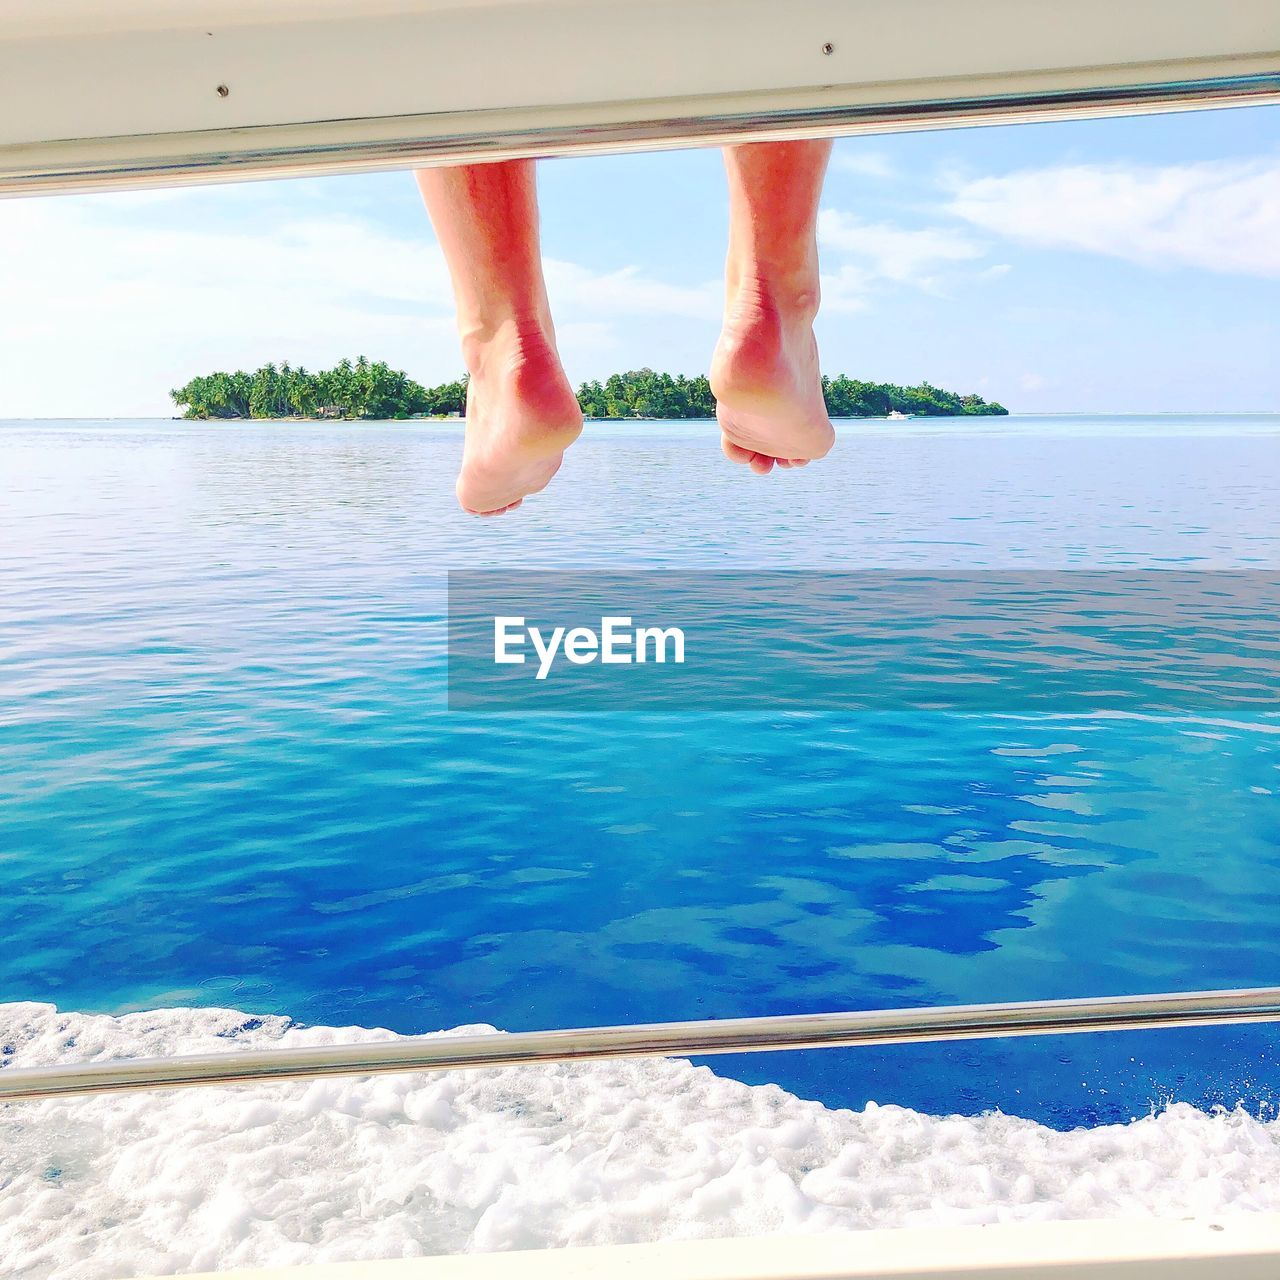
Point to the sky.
(1124, 265)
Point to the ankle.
(510, 338)
(518, 363)
(783, 291)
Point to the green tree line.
(642, 393)
(351, 389)
(365, 389)
(849, 398)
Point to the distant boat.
(896, 416)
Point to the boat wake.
(531, 1157)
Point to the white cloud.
(102, 314)
(875, 253)
(581, 338)
(892, 252)
(104, 307)
(846, 289)
(1222, 216)
(628, 292)
(863, 164)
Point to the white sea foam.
(400, 1166)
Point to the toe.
(761, 463)
(735, 452)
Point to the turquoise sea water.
(230, 777)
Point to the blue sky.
(1124, 265)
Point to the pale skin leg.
(521, 410)
(765, 372)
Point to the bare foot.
(767, 385)
(521, 417)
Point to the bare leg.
(765, 372)
(521, 411)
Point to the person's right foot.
(521, 417)
(767, 384)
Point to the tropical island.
(364, 389)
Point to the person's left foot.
(521, 417)
(766, 381)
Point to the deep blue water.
(229, 776)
